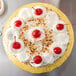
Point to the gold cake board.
(47, 68)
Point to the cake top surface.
(37, 36)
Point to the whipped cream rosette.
(11, 33)
(25, 14)
(36, 61)
(16, 46)
(17, 23)
(35, 34)
(38, 11)
(24, 56)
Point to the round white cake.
(37, 36)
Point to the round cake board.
(57, 63)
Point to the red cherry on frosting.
(18, 23)
(60, 26)
(38, 11)
(36, 33)
(37, 59)
(16, 45)
(57, 50)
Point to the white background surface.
(7, 68)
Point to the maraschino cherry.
(37, 59)
(18, 23)
(60, 26)
(57, 50)
(38, 11)
(36, 33)
(16, 45)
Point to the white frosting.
(47, 58)
(37, 16)
(13, 22)
(25, 13)
(10, 34)
(38, 45)
(28, 34)
(15, 51)
(23, 56)
(2, 7)
(51, 19)
(36, 65)
(61, 38)
(55, 44)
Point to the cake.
(38, 38)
